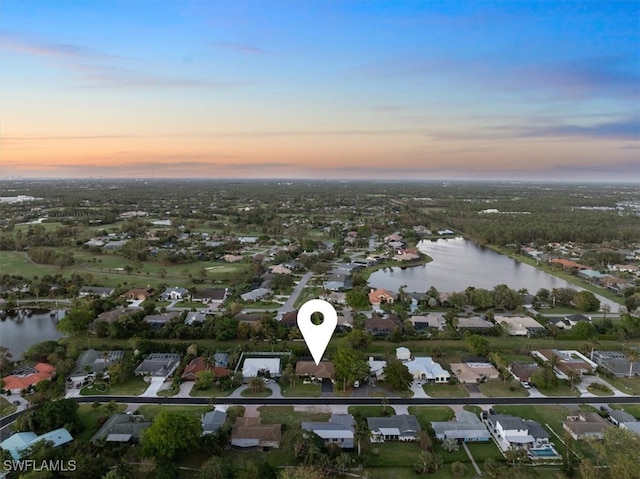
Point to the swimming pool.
(543, 452)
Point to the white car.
(526, 385)
(356, 384)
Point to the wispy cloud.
(97, 69)
(240, 47)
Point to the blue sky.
(539, 90)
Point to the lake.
(459, 263)
(20, 331)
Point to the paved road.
(368, 401)
(288, 306)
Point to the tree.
(450, 444)
(584, 329)
(171, 435)
(212, 469)
(204, 380)
(618, 443)
(349, 366)
(427, 462)
(458, 469)
(256, 385)
(586, 301)
(5, 357)
(56, 414)
(76, 321)
(301, 472)
(397, 376)
(515, 455)
(358, 339)
(361, 434)
(477, 344)
(606, 309)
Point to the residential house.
(586, 425)
(515, 431)
(522, 371)
(337, 282)
(279, 269)
(568, 321)
(261, 366)
(421, 323)
(426, 369)
(567, 362)
(380, 296)
(474, 372)
(402, 427)
(467, 427)
(616, 363)
(520, 325)
(406, 256)
(211, 295)
(290, 319)
(200, 364)
(474, 323)
(95, 291)
(175, 294)
(195, 317)
(212, 421)
(309, 369)
(20, 442)
(26, 376)
(615, 284)
(256, 294)
(376, 368)
(250, 318)
(249, 433)
(157, 321)
(113, 315)
(403, 354)
(590, 275)
(382, 326)
(139, 294)
(618, 417)
(339, 430)
(158, 365)
(121, 428)
(91, 362)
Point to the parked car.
(356, 384)
(526, 385)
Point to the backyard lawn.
(428, 414)
(368, 411)
(151, 411)
(285, 415)
(446, 390)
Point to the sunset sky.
(320, 89)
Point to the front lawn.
(599, 389)
(633, 409)
(151, 411)
(446, 390)
(562, 389)
(286, 416)
(6, 407)
(248, 393)
(369, 411)
(428, 414)
(211, 391)
(132, 387)
(498, 388)
(301, 390)
(626, 385)
(89, 416)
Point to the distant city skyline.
(320, 89)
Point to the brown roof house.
(379, 296)
(139, 293)
(249, 433)
(324, 370)
(382, 326)
(567, 362)
(586, 425)
(199, 364)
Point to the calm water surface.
(21, 331)
(459, 263)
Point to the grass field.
(301, 390)
(428, 414)
(408, 473)
(248, 393)
(626, 385)
(212, 391)
(89, 417)
(446, 390)
(498, 388)
(286, 416)
(633, 409)
(562, 389)
(150, 412)
(6, 407)
(600, 390)
(133, 387)
(368, 411)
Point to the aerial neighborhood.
(195, 315)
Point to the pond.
(24, 328)
(459, 263)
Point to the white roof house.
(426, 369)
(403, 354)
(520, 325)
(253, 366)
(377, 368)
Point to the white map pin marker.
(317, 336)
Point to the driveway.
(288, 306)
(154, 387)
(418, 390)
(327, 388)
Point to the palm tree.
(606, 309)
(384, 402)
(361, 434)
(554, 295)
(632, 355)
